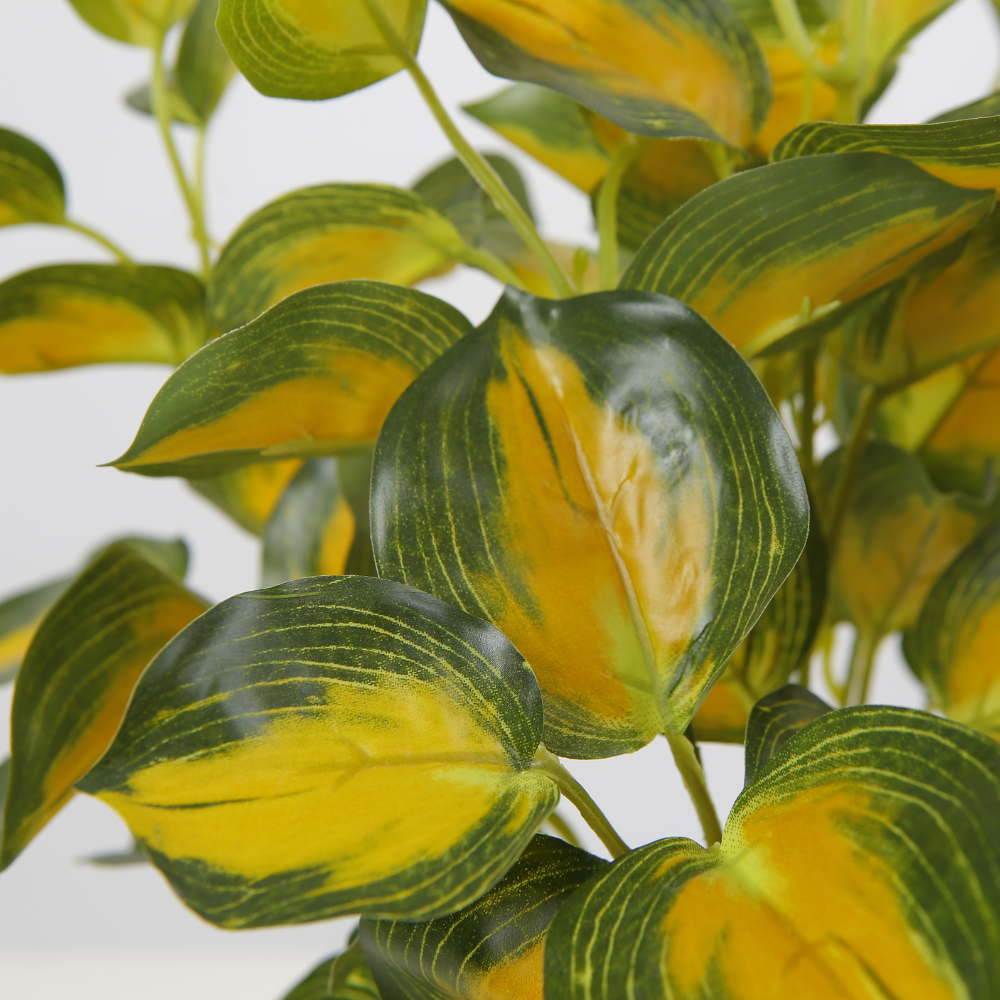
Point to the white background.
(71, 929)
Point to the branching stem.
(607, 209)
(97, 237)
(696, 785)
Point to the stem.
(563, 829)
(489, 180)
(697, 787)
(550, 765)
(607, 211)
(794, 30)
(491, 264)
(870, 400)
(161, 109)
(93, 234)
(807, 423)
(862, 658)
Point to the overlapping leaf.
(203, 68)
(860, 862)
(656, 67)
(313, 50)
(138, 22)
(81, 314)
(491, 950)
(332, 745)
(605, 480)
(747, 252)
(79, 673)
(984, 108)
(20, 616)
(774, 720)
(328, 233)
(315, 375)
(953, 646)
(343, 977)
(249, 494)
(31, 186)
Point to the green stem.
(161, 109)
(869, 404)
(549, 764)
(807, 421)
(859, 675)
(792, 27)
(489, 180)
(607, 211)
(563, 829)
(491, 264)
(93, 234)
(694, 781)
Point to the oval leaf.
(20, 616)
(333, 745)
(953, 646)
(591, 475)
(78, 675)
(83, 314)
(343, 977)
(31, 186)
(249, 494)
(203, 69)
(655, 67)
(861, 863)
(329, 233)
(746, 252)
(138, 22)
(491, 950)
(314, 50)
(314, 375)
(775, 720)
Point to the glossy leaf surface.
(777, 645)
(311, 530)
(19, 618)
(860, 863)
(953, 646)
(249, 494)
(332, 232)
(332, 745)
(746, 252)
(31, 186)
(312, 49)
(138, 22)
(491, 950)
(964, 152)
(314, 375)
(66, 315)
(774, 720)
(899, 534)
(79, 673)
(546, 475)
(655, 67)
(203, 68)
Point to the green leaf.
(775, 719)
(313, 50)
(963, 152)
(249, 494)
(67, 315)
(984, 108)
(662, 69)
(311, 531)
(332, 232)
(138, 22)
(778, 645)
(491, 950)
(141, 100)
(952, 647)
(78, 675)
(748, 252)
(332, 745)
(592, 476)
(31, 186)
(315, 375)
(899, 534)
(203, 69)
(861, 862)
(19, 618)
(342, 977)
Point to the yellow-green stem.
(161, 109)
(489, 180)
(694, 781)
(548, 763)
(807, 422)
(491, 264)
(860, 672)
(563, 829)
(607, 211)
(97, 237)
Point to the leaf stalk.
(97, 237)
(607, 209)
(697, 787)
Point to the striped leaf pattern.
(491, 950)
(747, 251)
(604, 479)
(333, 232)
(342, 977)
(312, 49)
(79, 673)
(66, 315)
(31, 186)
(138, 22)
(333, 745)
(660, 68)
(965, 152)
(774, 720)
(315, 375)
(952, 647)
(20, 616)
(861, 862)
